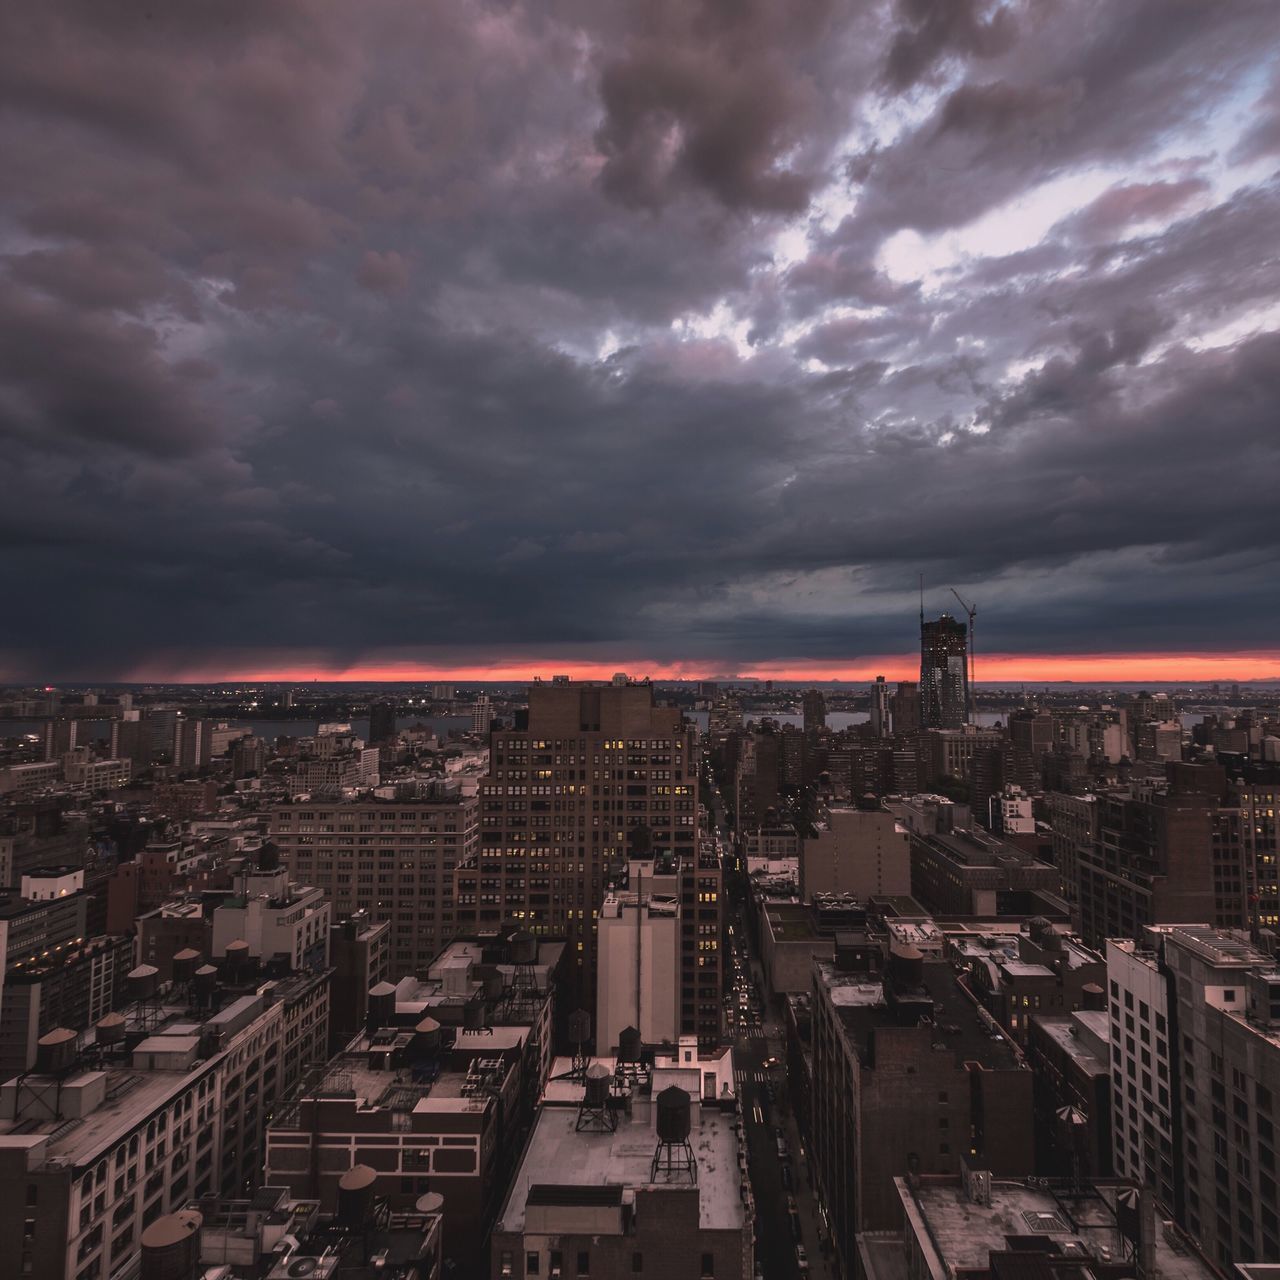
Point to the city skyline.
(371, 338)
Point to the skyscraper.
(815, 711)
(881, 722)
(944, 674)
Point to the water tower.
(595, 1115)
(673, 1161)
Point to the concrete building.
(638, 966)
(73, 986)
(1070, 1059)
(1073, 827)
(278, 920)
(481, 714)
(904, 707)
(968, 872)
(1009, 812)
(910, 1074)
(20, 781)
(990, 1228)
(562, 800)
(130, 1121)
(1167, 852)
(859, 852)
(425, 1111)
(598, 1192)
(86, 775)
(948, 754)
(1039, 968)
(394, 859)
(359, 951)
(1195, 1029)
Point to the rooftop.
(961, 1025)
(1084, 1224)
(558, 1157)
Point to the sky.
(677, 337)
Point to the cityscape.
(597, 978)
(638, 640)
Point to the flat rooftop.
(1059, 1028)
(967, 1233)
(558, 1156)
(962, 1026)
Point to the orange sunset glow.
(1006, 668)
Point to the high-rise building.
(815, 710)
(481, 714)
(562, 803)
(394, 858)
(881, 717)
(382, 722)
(944, 673)
(904, 707)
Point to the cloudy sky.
(404, 336)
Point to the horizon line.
(1165, 668)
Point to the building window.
(708, 1264)
(637, 1262)
(531, 1264)
(584, 1263)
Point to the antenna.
(972, 611)
(922, 604)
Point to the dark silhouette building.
(382, 723)
(944, 674)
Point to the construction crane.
(972, 611)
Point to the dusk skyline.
(674, 338)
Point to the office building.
(944, 673)
(859, 852)
(910, 1075)
(481, 714)
(597, 768)
(393, 858)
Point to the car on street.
(802, 1260)
(786, 1176)
(770, 1063)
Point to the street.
(786, 1211)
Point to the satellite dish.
(430, 1202)
(302, 1267)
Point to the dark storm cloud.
(552, 328)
